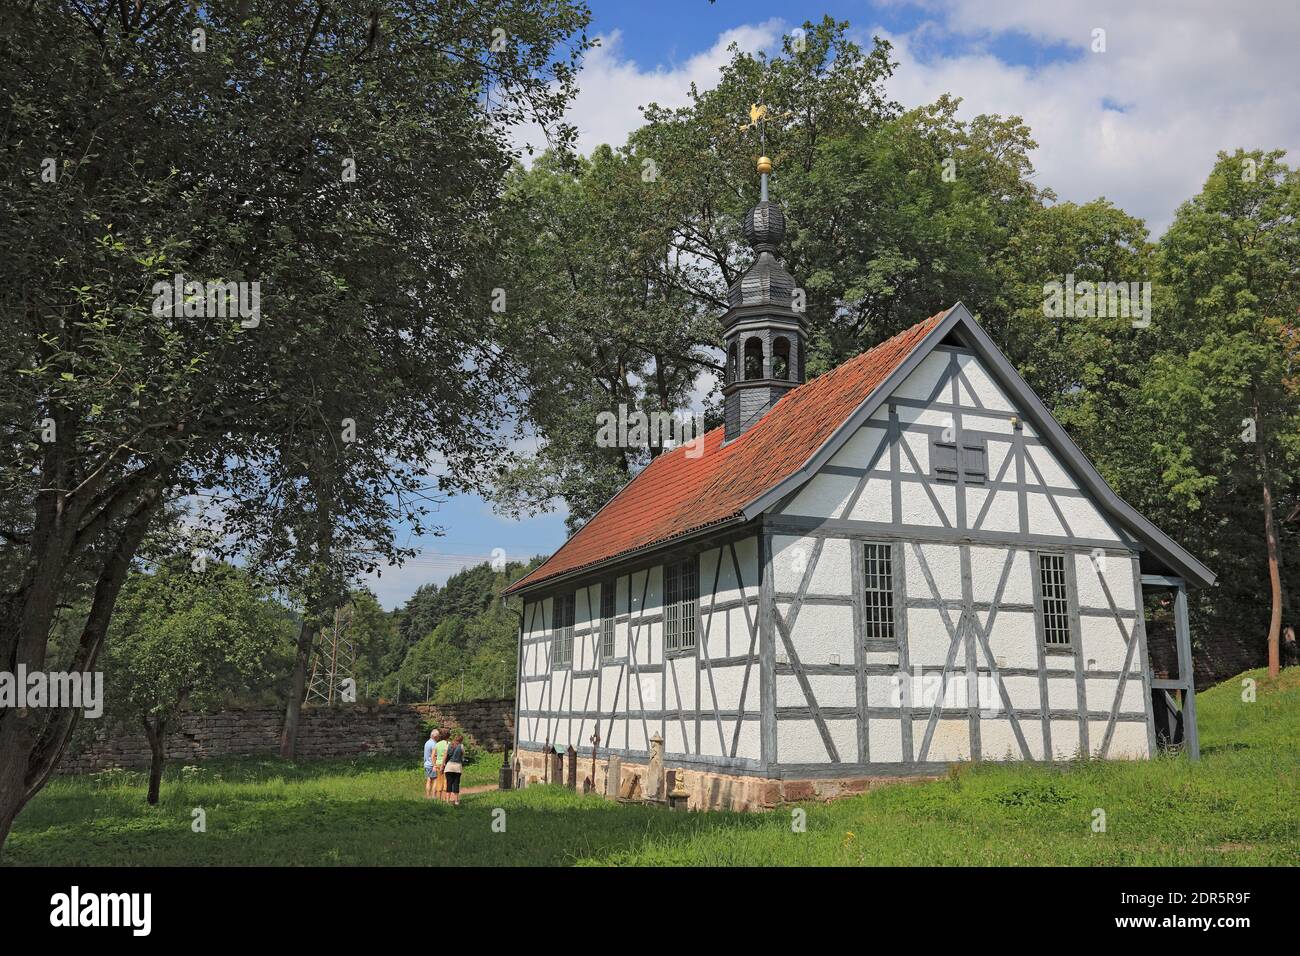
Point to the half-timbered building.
(900, 564)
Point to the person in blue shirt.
(430, 772)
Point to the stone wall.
(342, 731)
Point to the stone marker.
(630, 788)
(613, 770)
(654, 778)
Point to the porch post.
(1186, 679)
(1183, 639)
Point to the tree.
(188, 640)
(342, 182)
(630, 253)
(1224, 390)
(459, 629)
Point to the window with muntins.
(607, 620)
(680, 586)
(878, 592)
(1055, 598)
(562, 630)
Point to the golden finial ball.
(764, 165)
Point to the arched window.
(731, 363)
(781, 358)
(753, 358)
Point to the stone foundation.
(707, 789)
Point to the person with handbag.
(453, 768)
(439, 763)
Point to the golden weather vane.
(759, 117)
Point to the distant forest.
(454, 642)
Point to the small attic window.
(944, 460)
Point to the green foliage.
(192, 639)
(347, 160)
(457, 640)
(630, 253)
(1235, 807)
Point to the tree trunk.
(1274, 569)
(297, 691)
(322, 593)
(30, 750)
(11, 791)
(157, 736)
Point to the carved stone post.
(613, 773)
(571, 781)
(654, 778)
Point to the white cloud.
(1191, 77)
(612, 88)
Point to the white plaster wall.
(885, 740)
(989, 392)
(828, 690)
(823, 634)
(921, 382)
(638, 677)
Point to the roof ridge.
(687, 494)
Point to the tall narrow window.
(731, 362)
(878, 593)
(562, 630)
(1056, 602)
(680, 586)
(753, 358)
(607, 620)
(781, 358)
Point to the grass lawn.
(1240, 805)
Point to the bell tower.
(763, 335)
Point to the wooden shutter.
(943, 460)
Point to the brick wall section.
(344, 731)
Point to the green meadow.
(1239, 805)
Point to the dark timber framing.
(695, 710)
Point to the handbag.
(454, 765)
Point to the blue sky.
(1138, 122)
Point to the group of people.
(444, 761)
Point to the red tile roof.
(675, 495)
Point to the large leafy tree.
(1223, 394)
(628, 256)
(600, 326)
(219, 142)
